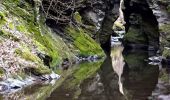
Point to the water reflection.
(118, 64)
(140, 78)
(124, 76)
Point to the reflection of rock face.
(118, 64)
(136, 80)
(105, 88)
(141, 78)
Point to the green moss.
(42, 70)
(165, 28)
(166, 52)
(11, 26)
(46, 41)
(165, 37)
(77, 17)
(19, 75)
(164, 76)
(27, 55)
(2, 18)
(1, 72)
(8, 35)
(84, 43)
(15, 8)
(84, 71)
(21, 28)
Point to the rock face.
(28, 45)
(111, 14)
(161, 11)
(141, 25)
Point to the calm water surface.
(122, 76)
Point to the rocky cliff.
(30, 43)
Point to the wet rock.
(87, 58)
(3, 87)
(164, 97)
(51, 76)
(166, 61)
(155, 58)
(54, 76)
(14, 84)
(66, 63)
(46, 59)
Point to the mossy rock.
(2, 18)
(77, 17)
(27, 55)
(41, 70)
(83, 42)
(1, 72)
(166, 52)
(8, 35)
(165, 37)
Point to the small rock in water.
(67, 94)
(54, 75)
(164, 97)
(45, 77)
(155, 59)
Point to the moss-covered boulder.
(165, 40)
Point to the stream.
(125, 75)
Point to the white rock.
(54, 75)
(15, 83)
(164, 97)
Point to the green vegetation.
(41, 70)
(84, 71)
(165, 40)
(77, 17)
(2, 18)
(8, 35)
(84, 42)
(166, 52)
(1, 72)
(20, 24)
(27, 55)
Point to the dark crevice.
(148, 24)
